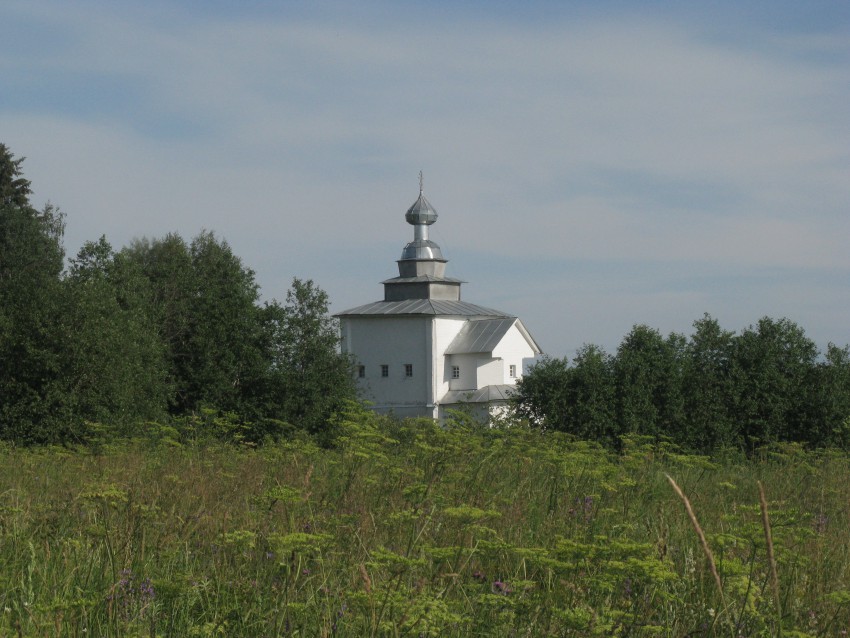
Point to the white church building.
(421, 350)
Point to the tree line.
(715, 389)
(159, 330)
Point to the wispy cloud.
(656, 148)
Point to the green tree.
(828, 411)
(206, 303)
(707, 388)
(772, 376)
(591, 392)
(648, 375)
(33, 406)
(310, 379)
(167, 265)
(115, 360)
(225, 358)
(14, 188)
(542, 396)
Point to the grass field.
(406, 529)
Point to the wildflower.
(477, 575)
(499, 587)
(146, 589)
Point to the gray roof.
(423, 307)
(421, 212)
(497, 392)
(481, 335)
(419, 278)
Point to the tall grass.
(406, 529)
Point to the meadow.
(407, 529)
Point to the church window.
(512, 371)
(408, 369)
(455, 372)
(385, 370)
(361, 371)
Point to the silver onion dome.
(422, 249)
(421, 215)
(421, 212)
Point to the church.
(421, 350)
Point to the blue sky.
(595, 165)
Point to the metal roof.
(497, 392)
(435, 307)
(422, 249)
(421, 212)
(481, 335)
(420, 278)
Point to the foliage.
(162, 328)
(312, 378)
(115, 368)
(407, 528)
(33, 406)
(713, 391)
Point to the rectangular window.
(455, 372)
(512, 371)
(408, 369)
(361, 371)
(385, 370)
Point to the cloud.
(631, 146)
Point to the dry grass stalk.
(774, 578)
(365, 576)
(705, 548)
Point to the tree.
(167, 265)
(772, 381)
(648, 374)
(14, 188)
(224, 355)
(707, 388)
(592, 394)
(33, 406)
(207, 308)
(831, 401)
(542, 395)
(310, 379)
(115, 361)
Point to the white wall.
(490, 371)
(394, 341)
(514, 350)
(445, 331)
(468, 364)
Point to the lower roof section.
(435, 307)
(497, 392)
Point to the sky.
(595, 165)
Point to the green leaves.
(713, 391)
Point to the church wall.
(394, 342)
(467, 364)
(489, 371)
(445, 330)
(514, 350)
